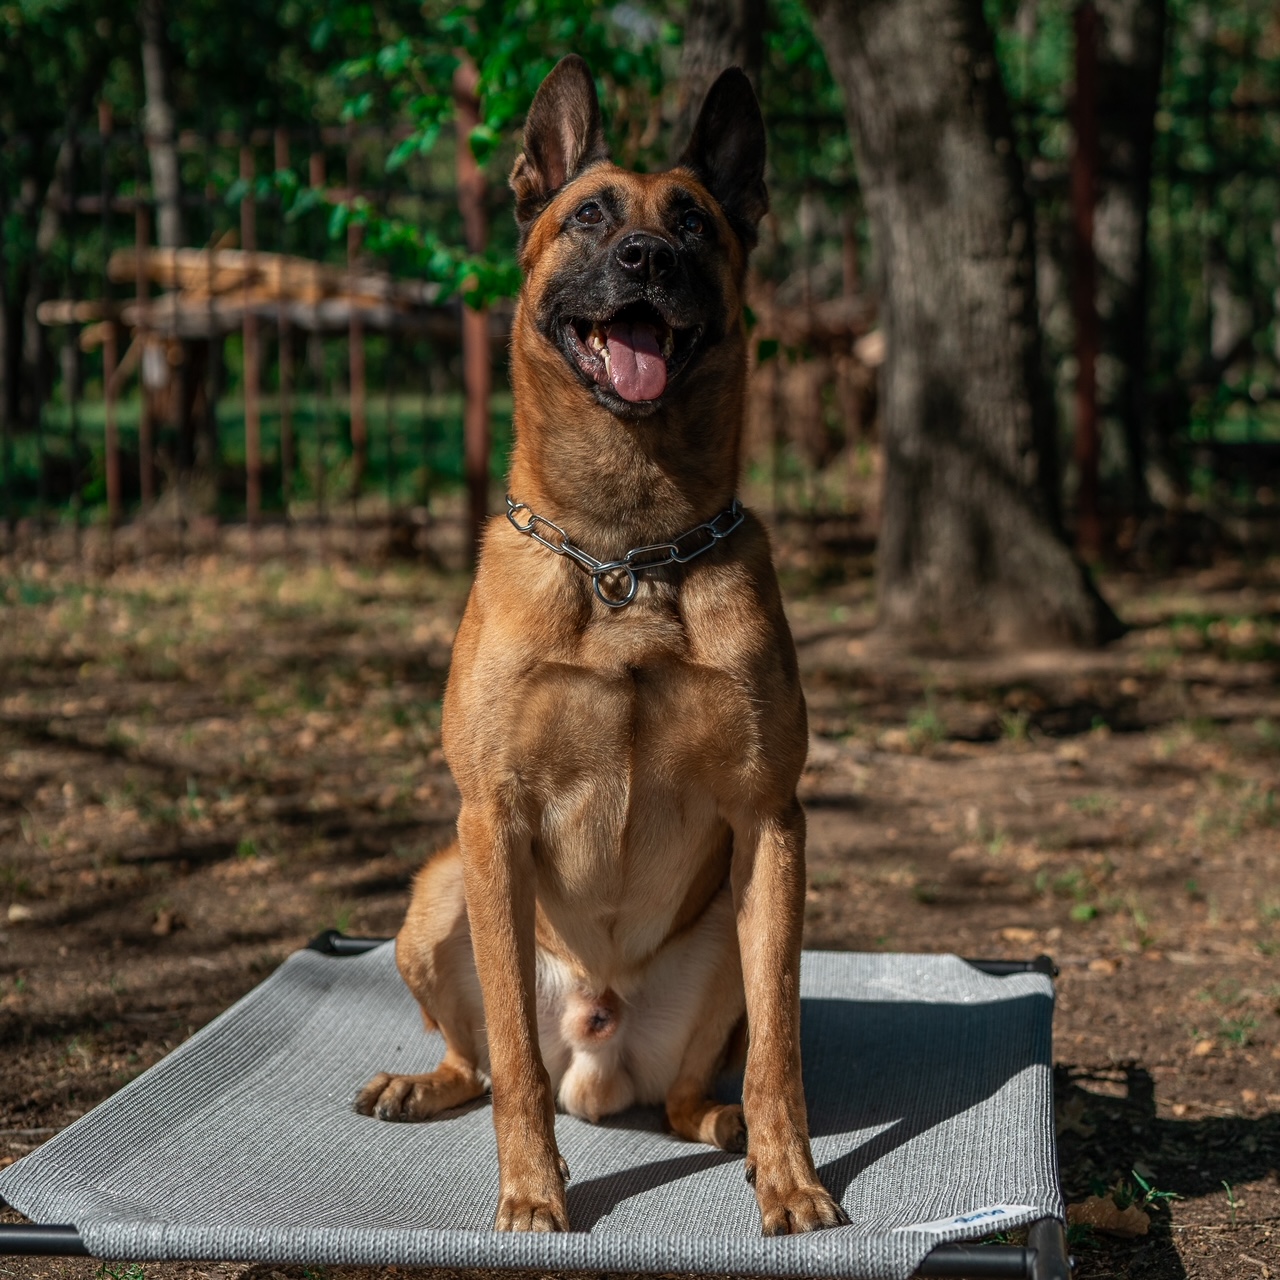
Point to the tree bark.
(717, 34)
(971, 550)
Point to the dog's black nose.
(648, 257)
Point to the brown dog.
(628, 879)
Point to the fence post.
(111, 439)
(476, 358)
(355, 339)
(146, 443)
(1084, 169)
(315, 359)
(252, 418)
(70, 357)
(6, 425)
(284, 337)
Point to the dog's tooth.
(668, 344)
(595, 339)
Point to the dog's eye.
(694, 222)
(589, 214)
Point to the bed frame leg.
(1049, 1242)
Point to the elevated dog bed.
(930, 1103)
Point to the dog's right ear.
(562, 135)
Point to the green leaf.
(339, 219)
(321, 34)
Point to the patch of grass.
(1140, 1192)
(12, 883)
(1232, 1203)
(120, 1271)
(246, 848)
(1015, 726)
(925, 727)
(1238, 1031)
(1080, 1235)
(1095, 804)
(1079, 887)
(1141, 924)
(1235, 806)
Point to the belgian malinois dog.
(623, 715)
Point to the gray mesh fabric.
(930, 1100)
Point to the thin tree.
(1130, 62)
(971, 549)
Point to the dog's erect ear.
(727, 150)
(562, 135)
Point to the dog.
(623, 714)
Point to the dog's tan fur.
(628, 879)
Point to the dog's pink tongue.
(638, 370)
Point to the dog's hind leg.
(433, 953)
(721, 1009)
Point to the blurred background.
(238, 247)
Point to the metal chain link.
(638, 559)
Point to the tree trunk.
(1130, 62)
(159, 124)
(717, 34)
(971, 550)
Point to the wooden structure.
(204, 294)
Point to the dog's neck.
(615, 483)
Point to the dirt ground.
(206, 760)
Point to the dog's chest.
(624, 768)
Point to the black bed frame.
(1043, 1257)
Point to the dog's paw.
(518, 1212)
(788, 1209)
(725, 1128)
(414, 1098)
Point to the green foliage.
(120, 1271)
(1215, 188)
(405, 73)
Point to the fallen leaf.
(1203, 1048)
(167, 922)
(1071, 1118)
(18, 914)
(1016, 933)
(1103, 1214)
(1102, 965)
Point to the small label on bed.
(992, 1218)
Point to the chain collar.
(638, 559)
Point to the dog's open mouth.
(635, 352)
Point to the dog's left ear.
(727, 151)
(562, 135)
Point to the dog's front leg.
(768, 888)
(499, 876)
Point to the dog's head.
(635, 279)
